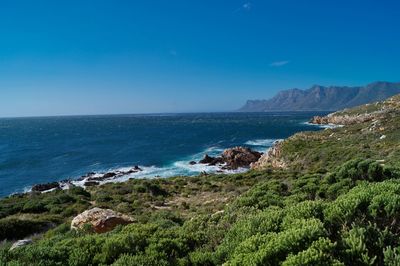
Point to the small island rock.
(240, 157)
(207, 159)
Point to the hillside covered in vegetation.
(330, 197)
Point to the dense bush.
(349, 216)
(13, 228)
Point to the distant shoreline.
(165, 114)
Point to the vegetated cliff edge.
(320, 98)
(369, 131)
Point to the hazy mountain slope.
(320, 98)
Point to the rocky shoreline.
(365, 113)
(230, 159)
(340, 120)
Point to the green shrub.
(320, 253)
(34, 207)
(392, 256)
(13, 228)
(272, 248)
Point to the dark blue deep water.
(39, 150)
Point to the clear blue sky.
(107, 57)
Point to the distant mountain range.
(320, 98)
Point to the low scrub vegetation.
(346, 217)
(336, 202)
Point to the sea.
(46, 149)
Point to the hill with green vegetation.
(330, 197)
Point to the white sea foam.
(322, 125)
(261, 145)
(178, 168)
(261, 142)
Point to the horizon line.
(166, 113)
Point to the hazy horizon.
(100, 57)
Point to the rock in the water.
(217, 160)
(207, 159)
(44, 187)
(21, 243)
(108, 175)
(192, 163)
(137, 168)
(240, 157)
(101, 220)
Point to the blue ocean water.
(40, 150)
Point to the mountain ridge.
(324, 98)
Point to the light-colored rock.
(21, 243)
(272, 158)
(335, 119)
(101, 220)
(383, 137)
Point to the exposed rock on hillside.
(271, 158)
(369, 112)
(101, 220)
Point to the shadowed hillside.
(320, 98)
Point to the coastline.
(219, 207)
(123, 174)
(224, 163)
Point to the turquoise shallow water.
(39, 150)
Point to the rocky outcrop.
(240, 157)
(91, 178)
(101, 220)
(365, 113)
(272, 158)
(335, 119)
(319, 120)
(207, 159)
(233, 158)
(108, 175)
(46, 186)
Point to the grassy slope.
(324, 150)
(334, 204)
